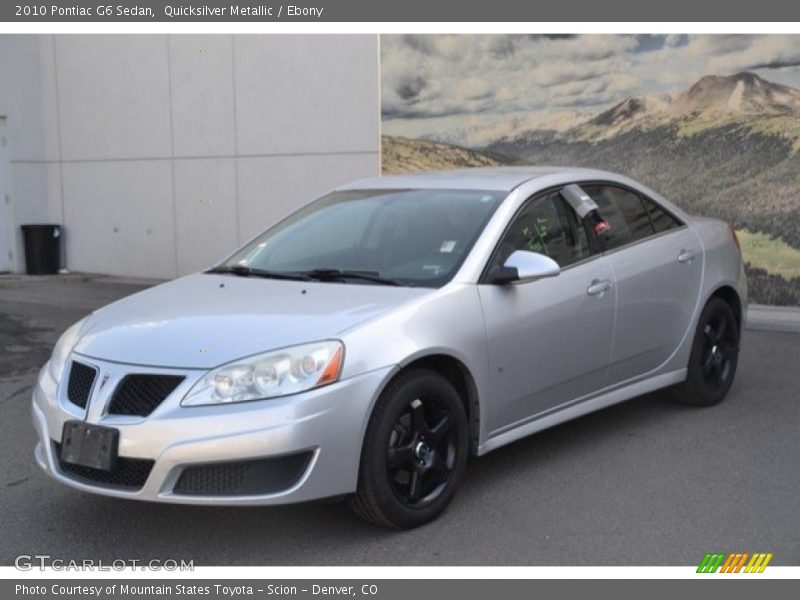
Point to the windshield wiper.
(341, 274)
(243, 271)
(313, 274)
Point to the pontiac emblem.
(104, 380)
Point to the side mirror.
(523, 265)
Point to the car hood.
(205, 320)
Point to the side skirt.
(580, 408)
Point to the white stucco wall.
(160, 154)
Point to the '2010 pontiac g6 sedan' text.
(365, 345)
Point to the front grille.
(243, 478)
(81, 379)
(129, 474)
(140, 395)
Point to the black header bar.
(151, 11)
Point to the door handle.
(685, 256)
(598, 287)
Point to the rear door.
(550, 339)
(658, 266)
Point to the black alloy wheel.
(720, 350)
(415, 451)
(421, 457)
(714, 357)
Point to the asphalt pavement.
(647, 482)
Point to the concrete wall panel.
(28, 96)
(119, 218)
(37, 192)
(201, 68)
(113, 96)
(307, 93)
(205, 204)
(272, 187)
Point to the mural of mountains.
(743, 100)
(711, 101)
(727, 147)
(403, 155)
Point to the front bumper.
(326, 425)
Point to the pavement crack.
(16, 393)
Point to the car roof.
(479, 178)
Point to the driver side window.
(549, 226)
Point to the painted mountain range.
(726, 147)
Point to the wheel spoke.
(722, 329)
(418, 417)
(415, 486)
(718, 371)
(708, 362)
(399, 457)
(441, 429)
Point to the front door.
(549, 340)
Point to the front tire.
(714, 357)
(415, 452)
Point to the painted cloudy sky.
(452, 80)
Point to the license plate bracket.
(88, 445)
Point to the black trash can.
(42, 249)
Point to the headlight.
(62, 350)
(269, 375)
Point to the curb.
(75, 277)
(761, 317)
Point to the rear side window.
(662, 220)
(624, 210)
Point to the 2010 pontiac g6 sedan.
(368, 343)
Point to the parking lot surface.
(647, 482)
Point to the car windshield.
(395, 237)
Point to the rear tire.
(714, 357)
(415, 452)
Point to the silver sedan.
(370, 342)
